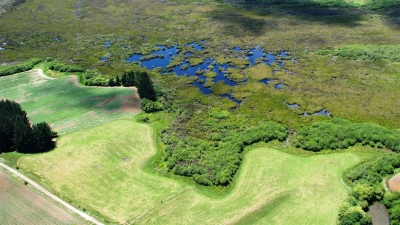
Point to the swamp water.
(379, 214)
(162, 57)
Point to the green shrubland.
(216, 160)
(341, 134)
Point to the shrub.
(18, 68)
(151, 106)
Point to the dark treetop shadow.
(338, 12)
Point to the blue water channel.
(164, 55)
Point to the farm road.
(38, 187)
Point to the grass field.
(63, 104)
(18, 199)
(105, 174)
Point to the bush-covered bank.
(366, 187)
(341, 134)
(62, 67)
(216, 160)
(18, 68)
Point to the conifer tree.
(145, 87)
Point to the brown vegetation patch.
(131, 103)
(394, 183)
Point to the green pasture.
(61, 103)
(101, 169)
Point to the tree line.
(17, 133)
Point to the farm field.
(64, 104)
(105, 174)
(20, 204)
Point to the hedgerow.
(18, 68)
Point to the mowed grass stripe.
(101, 168)
(62, 104)
(21, 205)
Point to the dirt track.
(55, 198)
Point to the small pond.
(292, 106)
(279, 86)
(107, 44)
(164, 55)
(379, 214)
(323, 112)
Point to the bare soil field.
(21, 205)
(394, 183)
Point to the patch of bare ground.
(21, 205)
(131, 103)
(75, 80)
(394, 183)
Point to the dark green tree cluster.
(145, 86)
(17, 133)
(215, 161)
(340, 134)
(18, 68)
(366, 182)
(128, 79)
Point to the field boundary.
(55, 198)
